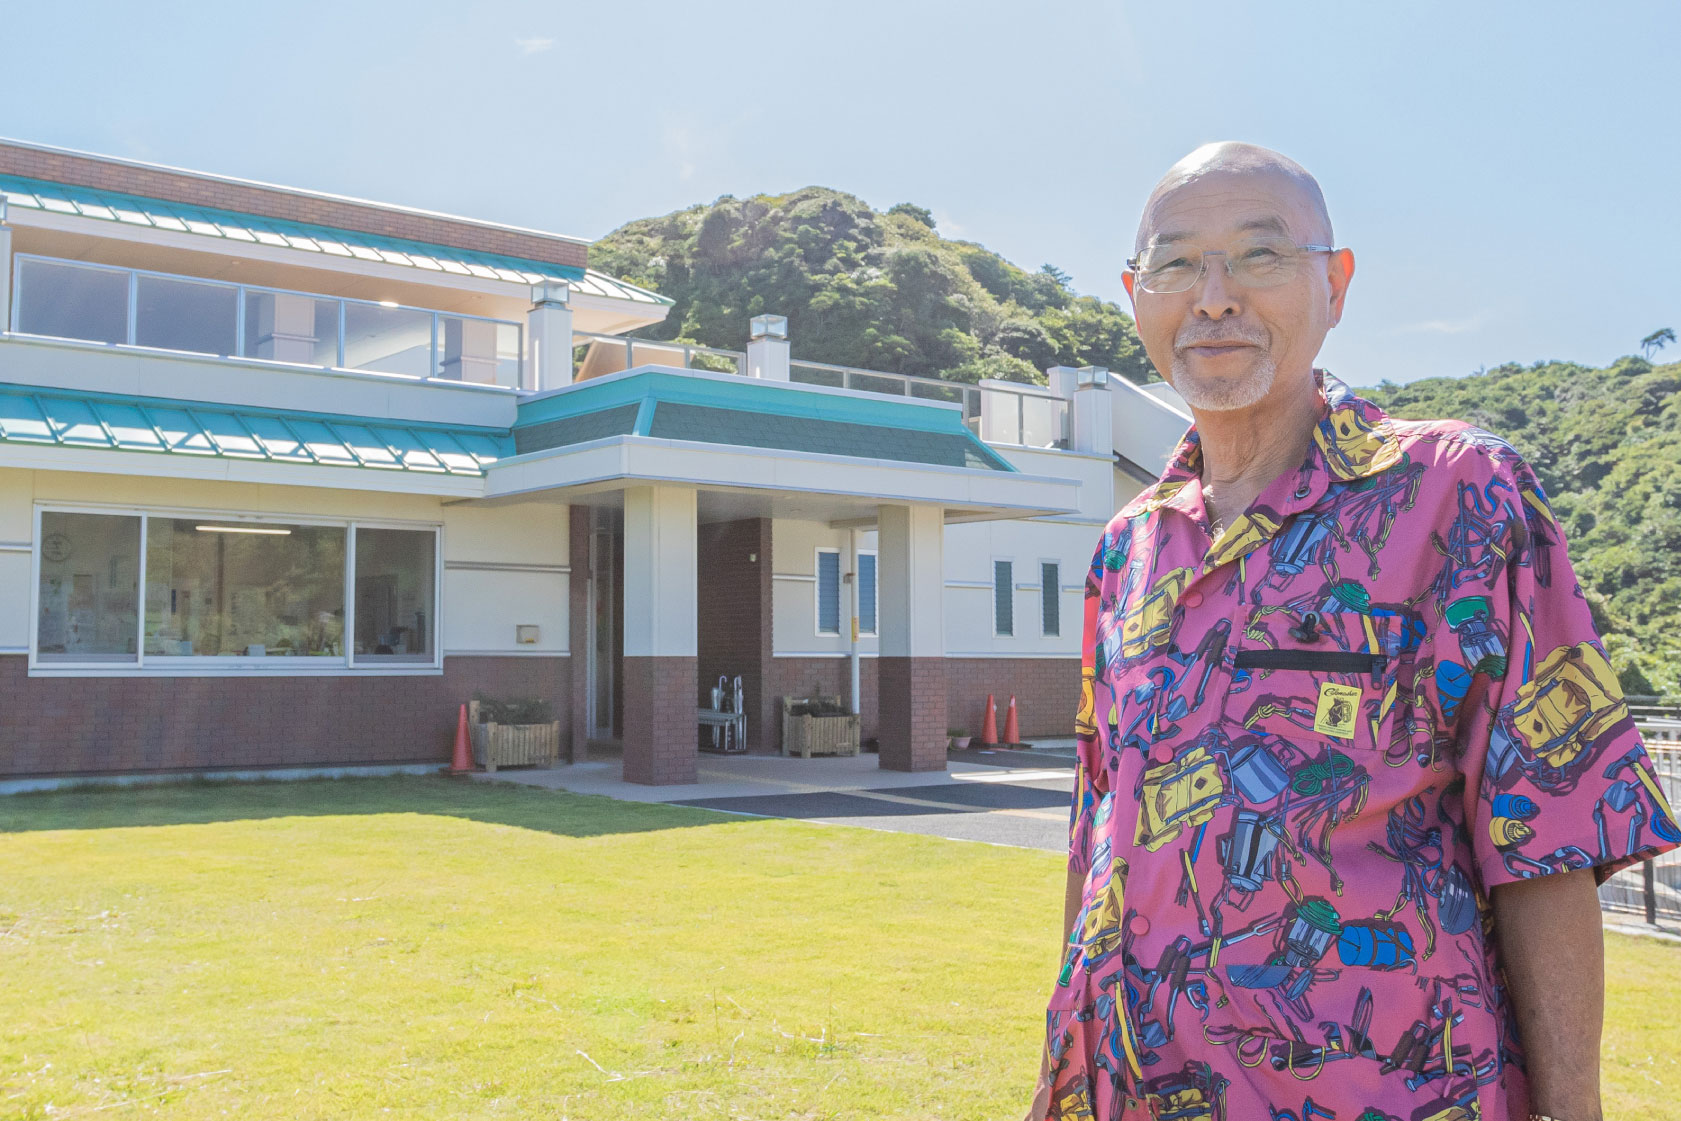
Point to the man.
(1352, 758)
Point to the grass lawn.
(426, 948)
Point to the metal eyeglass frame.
(1202, 270)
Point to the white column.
(548, 337)
(910, 582)
(661, 562)
(768, 348)
(283, 328)
(1091, 418)
(5, 269)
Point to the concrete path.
(1017, 798)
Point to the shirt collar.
(1353, 440)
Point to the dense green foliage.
(1607, 446)
(862, 288)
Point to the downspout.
(852, 578)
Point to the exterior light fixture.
(767, 327)
(1091, 375)
(551, 292)
(273, 531)
(388, 303)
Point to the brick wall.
(662, 737)
(296, 206)
(98, 725)
(1047, 690)
(734, 614)
(912, 698)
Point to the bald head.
(1271, 172)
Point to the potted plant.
(513, 732)
(959, 738)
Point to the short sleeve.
(1557, 778)
(1090, 782)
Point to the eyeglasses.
(1251, 262)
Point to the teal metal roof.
(135, 210)
(118, 423)
(745, 412)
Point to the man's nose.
(1215, 294)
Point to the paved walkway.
(1017, 798)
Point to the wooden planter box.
(512, 745)
(806, 735)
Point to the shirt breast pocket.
(1316, 698)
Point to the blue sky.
(1507, 174)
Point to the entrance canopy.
(834, 453)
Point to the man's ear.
(1128, 279)
(1339, 270)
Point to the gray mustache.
(1194, 337)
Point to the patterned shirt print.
(1307, 750)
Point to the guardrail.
(595, 355)
(54, 298)
(1652, 888)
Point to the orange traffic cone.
(1012, 733)
(989, 725)
(463, 761)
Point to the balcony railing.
(131, 307)
(997, 412)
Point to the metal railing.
(594, 355)
(997, 412)
(1652, 888)
(54, 298)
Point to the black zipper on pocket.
(1321, 661)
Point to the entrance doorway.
(605, 708)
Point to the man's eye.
(1260, 254)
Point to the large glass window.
(395, 575)
(390, 340)
(237, 589)
(289, 327)
(72, 301)
(89, 593)
(186, 315)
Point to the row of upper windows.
(829, 604)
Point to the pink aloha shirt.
(1307, 750)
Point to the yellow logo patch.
(1339, 710)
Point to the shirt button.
(1161, 753)
(1191, 599)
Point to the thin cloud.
(534, 46)
(1459, 326)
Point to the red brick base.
(67, 726)
(912, 700)
(1046, 691)
(662, 736)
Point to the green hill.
(1607, 446)
(883, 291)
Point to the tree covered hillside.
(1607, 446)
(883, 291)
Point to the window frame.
(202, 665)
(1010, 586)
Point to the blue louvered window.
(867, 593)
(828, 591)
(1050, 597)
(1003, 598)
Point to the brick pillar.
(578, 631)
(912, 702)
(911, 674)
(661, 692)
(662, 738)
